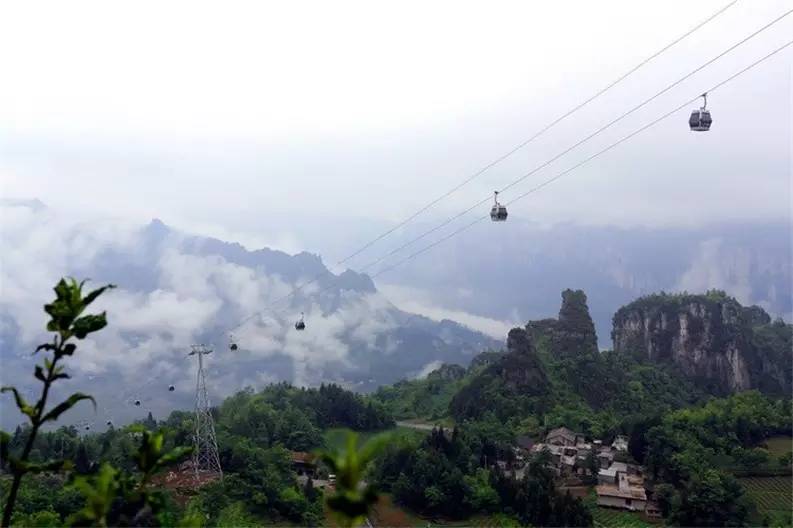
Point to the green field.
(779, 445)
(773, 495)
(336, 438)
(608, 518)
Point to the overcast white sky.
(285, 123)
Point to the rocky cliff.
(572, 334)
(710, 338)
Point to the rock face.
(711, 338)
(573, 333)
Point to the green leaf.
(21, 403)
(60, 374)
(374, 446)
(39, 373)
(174, 456)
(99, 492)
(66, 306)
(45, 346)
(66, 405)
(88, 324)
(68, 349)
(96, 293)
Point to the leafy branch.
(138, 503)
(353, 497)
(67, 322)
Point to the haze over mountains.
(518, 274)
(177, 289)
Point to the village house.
(563, 436)
(620, 443)
(609, 475)
(619, 484)
(628, 493)
(605, 457)
(568, 450)
(304, 463)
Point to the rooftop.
(610, 490)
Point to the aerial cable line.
(298, 288)
(536, 135)
(507, 154)
(579, 143)
(587, 160)
(568, 170)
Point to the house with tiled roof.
(563, 436)
(627, 493)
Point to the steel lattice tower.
(205, 456)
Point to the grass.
(336, 438)
(608, 518)
(773, 495)
(779, 445)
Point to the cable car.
(109, 423)
(232, 343)
(300, 324)
(700, 120)
(498, 213)
(171, 388)
(137, 403)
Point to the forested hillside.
(256, 433)
(693, 448)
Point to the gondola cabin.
(498, 213)
(700, 119)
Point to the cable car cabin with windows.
(498, 213)
(300, 324)
(700, 120)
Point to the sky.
(315, 126)
(318, 125)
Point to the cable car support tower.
(205, 455)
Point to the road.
(417, 426)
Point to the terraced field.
(609, 518)
(774, 495)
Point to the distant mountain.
(669, 351)
(177, 289)
(515, 271)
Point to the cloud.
(419, 301)
(429, 367)
(193, 296)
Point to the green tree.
(711, 498)
(82, 464)
(138, 502)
